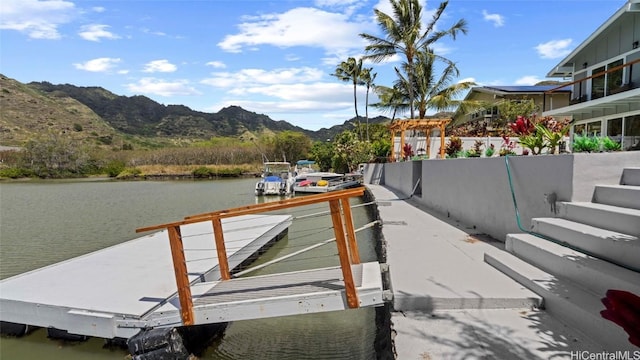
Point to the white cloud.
(554, 49)
(159, 66)
(496, 19)
(249, 77)
(98, 9)
(528, 80)
(298, 27)
(98, 65)
(216, 64)
(161, 87)
(95, 32)
(37, 19)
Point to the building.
(605, 81)
(493, 95)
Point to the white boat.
(276, 179)
(309, 180)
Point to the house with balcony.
(491, 96)
(604, 73)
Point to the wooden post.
(343, 253)
(427, 137)
(402, 144)
(182, 278)
(441, 127)
(223, 262)
(393, 146)
(351, 233)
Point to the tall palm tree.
(351, 71)
(434, 91)
(367, 78)
(392, 99)
(404, 35)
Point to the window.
(632, 133)
(614, 78)
(597, 83)
(614, 129)
(594, 128)
(579, 129)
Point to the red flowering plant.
(507, 146)
(528, 134)
(407, 151)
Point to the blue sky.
(272, 57)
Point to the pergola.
(425, 125)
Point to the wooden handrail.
(344, 233)
(593, 76)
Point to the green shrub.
(114, 168)
(77, 127)
(611, 145)
(202, 172)
(231, 172)
(15, 173)
(129, 173)
(586, 143)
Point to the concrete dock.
(449, 303)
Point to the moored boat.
(276, 179)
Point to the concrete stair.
(572, 260)
(630, 176)
(618, 248)
(626, 196)
(564, 300)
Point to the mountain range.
(97, 115)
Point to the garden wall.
(476, 192)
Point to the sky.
(273, 57)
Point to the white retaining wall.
(476, 191)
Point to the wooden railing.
(581, 96)
(343, 229)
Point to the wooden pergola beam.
(425, 125)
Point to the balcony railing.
(583, 92)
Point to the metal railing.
(341, 217)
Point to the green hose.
(562, 243)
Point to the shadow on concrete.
(477, 338)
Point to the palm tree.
(437, 92)
(351, 71)
(404, 35)
(392, 99)
(367, 78)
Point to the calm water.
(46, 222)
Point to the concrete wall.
(599, 168)
(476, 191)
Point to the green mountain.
(97, 115)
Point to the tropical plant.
(437, 92)
(407, 151)
(392, 100)
(585, 143)
(553, 131)
(453, 146)
(351, 71)
(403, 35)
(367, 77)
(610, 145)
(488, 152)
(476, 151)
(507, 146)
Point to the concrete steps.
(614, 218)
(590, 248)
(567, 302)
(626, 196)
(591, 273)
(630, 176)
(619, 248)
